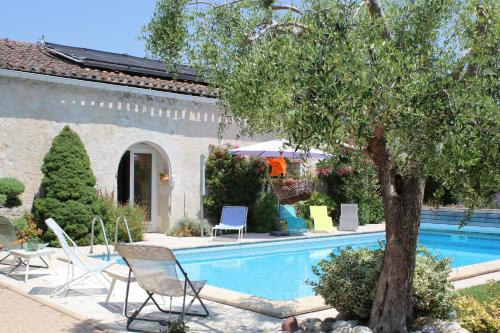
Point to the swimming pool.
(278, 270)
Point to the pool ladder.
(98, 218)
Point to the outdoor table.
(23, 257)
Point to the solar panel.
(124, 62)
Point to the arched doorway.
(138, 181)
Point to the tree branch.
(287, 7)
(278, 26)
(211, 4)
(376, 10)
(351, 147)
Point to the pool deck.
(86, 304)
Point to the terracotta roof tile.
(34, 58)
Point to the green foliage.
(110, 212)
(483, 293)
(476, 316)
(331, 74)
(264, 214)
(233, 180)
(10, 189)
(177, 326)
(316, 199)
(68, 194)
(351, 178)
(347, 282)
(21, 222)
(189, 227)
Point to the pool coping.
(302, 305)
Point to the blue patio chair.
(232, 218)
(296, 225)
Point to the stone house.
(133, 118)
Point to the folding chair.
(155, 269)
(77, 258)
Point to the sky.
(106, 25)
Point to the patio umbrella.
(276, 148)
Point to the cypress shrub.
(67, 192)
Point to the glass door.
(143, 181)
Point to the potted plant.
(164, 177)
(28, 233)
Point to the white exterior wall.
(33, 112)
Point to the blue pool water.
(277, 270)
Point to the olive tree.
(413, 84)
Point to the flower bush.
(347, 282)
(351, 178)
(10, 189)
(233, 180)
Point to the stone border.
(301, 305)
(470, 271)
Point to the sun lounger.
(348, 217)
(321, 220)
(77, 259)
(232, 218)
(8, 237)
(296, 225)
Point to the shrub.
(265, 213)
(347, 282)
(176, 326)
(10, 189)
(233, 180)
(67, 192)
(109, 212)
(351, 178)
(3, 199)
(480, 317)
(316, 199)
(189, 227)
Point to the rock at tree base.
(326, 325)
(290, 325)
(311, 324)
(339, 324)
(343, 329)
(361, 329)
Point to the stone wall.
(32, 112)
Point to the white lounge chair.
(348, 217)
(232, 218)
(78, 259)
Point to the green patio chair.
(8, 238)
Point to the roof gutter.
(104, 86)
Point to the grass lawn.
(484, 292)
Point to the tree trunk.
(392, 308)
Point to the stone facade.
(109, 119)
